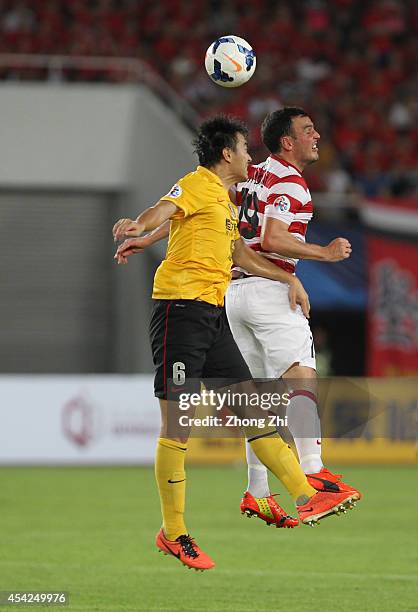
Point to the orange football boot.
(324, 480)
(267, 509)
(324, 504)
(186, 550)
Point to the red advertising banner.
(393, 306)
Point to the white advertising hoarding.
(87, 420)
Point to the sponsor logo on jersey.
(175, 191)
(229, 225)
(282, 203)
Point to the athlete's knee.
(171, 426)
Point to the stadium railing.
(131, 70)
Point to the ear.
(286, 142)
(226, 154)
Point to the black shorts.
(191, 339)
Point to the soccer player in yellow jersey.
(189, 329)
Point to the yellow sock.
(278, 457)
(171, 481)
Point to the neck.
(290, 159)
(226, 177)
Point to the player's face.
(305, 140)
(240, 158)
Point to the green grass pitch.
(90, 531)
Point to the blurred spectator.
(337, 180)
(403, 184)
(400, 115)
(18, 19)
(372, 182)
(309, 69)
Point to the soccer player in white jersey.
(275, 208)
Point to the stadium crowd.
(351, 63)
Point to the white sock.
(305, 427)
(258, 484)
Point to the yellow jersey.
(202, 237)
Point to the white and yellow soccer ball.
(230, 61)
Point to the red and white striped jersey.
(274, 189)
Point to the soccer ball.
(230, 61)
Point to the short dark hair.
(216, 134)
(278, 124)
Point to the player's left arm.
(276, 238)
(255, 264)
(130, 246)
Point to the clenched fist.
(129, 247)
(126, 227)
(338, 249)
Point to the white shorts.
(270, 335)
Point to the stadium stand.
(351, 63)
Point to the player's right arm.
(150, 219)
(154, 218)
(276, 238)
(146, 241)
(182, 200)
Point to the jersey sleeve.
(185, 195)
(285, 199)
